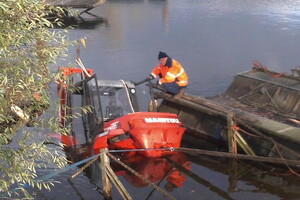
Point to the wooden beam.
(107, 189)
(280, 161)
(232, 148)
(243, 144)
(113, 177)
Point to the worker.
(173, 77)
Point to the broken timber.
(211, 108)
(87, 5)
(76, 3)
(268, 132)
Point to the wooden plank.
(104, 161)
(230, 135)
(243, 144)
(282, 161)
(120, 187)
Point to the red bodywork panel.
(143, 130)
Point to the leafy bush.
(28, 48)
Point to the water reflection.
(155, 170)
(248, 179)
(167, 172)
(84, 23)
(183, 176)
(214, 40)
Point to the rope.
(258, 65)
(48, 176)
(239, 120)
(83, 168)
(92, 159)
(141, 177)
(259, 134)
(272, 100)
(55, 173)
(274, 75)
(150, 149)
(263, 88)
(276, 145)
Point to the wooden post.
(113, 177)
(109, 175)
(233, 175)
(232, 148)
(105, 179)
(234, 138)
(153, 102)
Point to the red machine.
(142, 130)
(108, 114)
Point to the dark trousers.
(172, 88)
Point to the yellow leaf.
(83, 41)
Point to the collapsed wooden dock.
(76, 3)
(260, 112)
(69, 19)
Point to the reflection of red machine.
(156, 169)
(112, 127)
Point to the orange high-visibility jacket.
(175, 73)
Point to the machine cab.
(118, 98)
(87, 103)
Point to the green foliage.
(27, 48)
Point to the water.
(213, 40)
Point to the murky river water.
(213, 40)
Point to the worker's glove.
(150, 77)
(158, 82)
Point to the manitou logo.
(113, 126)
(161, 120)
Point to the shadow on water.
(244, 178)
(84, 23)
(259, 177)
